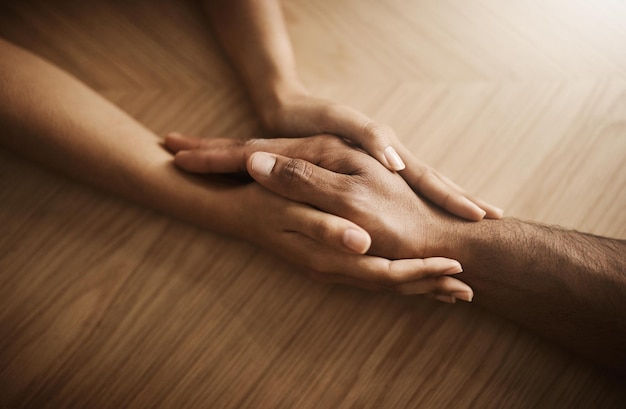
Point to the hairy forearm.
(254, 36)
(51, 118)
(568, 286)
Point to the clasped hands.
(344, 207)
(328, 198)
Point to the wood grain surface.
(105, 304)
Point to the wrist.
(271, 101)
(458, 239)
(436, 233)
(215, 203)
(469, 242)
(479, 247)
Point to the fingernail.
(499, 212)
(445, 298)
(465, 296)
(356, 240)
(395, 161)
(262, 163)
(480, 213)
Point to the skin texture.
(255, 39)
(51, 118)
(565, 285)
(378, 200)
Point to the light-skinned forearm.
(568, 286)
(254, 36)
(51, 118)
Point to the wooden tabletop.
(106, 304)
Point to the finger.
(211, 161)
(175, 142)
(223, 155)
(375, 139)
(297, 179)
(369, 286)
(444, 298)
(492, 212)
(373, 273)
(425, 181)
(328, 230)
(210, 155)
(383, 281)
(391, 273)
(445, 193)
(444, 287)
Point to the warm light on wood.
(104, 303)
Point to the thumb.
(300, 181)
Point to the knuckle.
(424, 175)
(329, 111)
(321, 229)
(390, 278)
(337, 150)
(377, 131)
(356, 198)
(327, 115)
(330, 142)
(249, 144)
(297, 170)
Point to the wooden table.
(105, 304)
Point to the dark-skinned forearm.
(567, 286)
